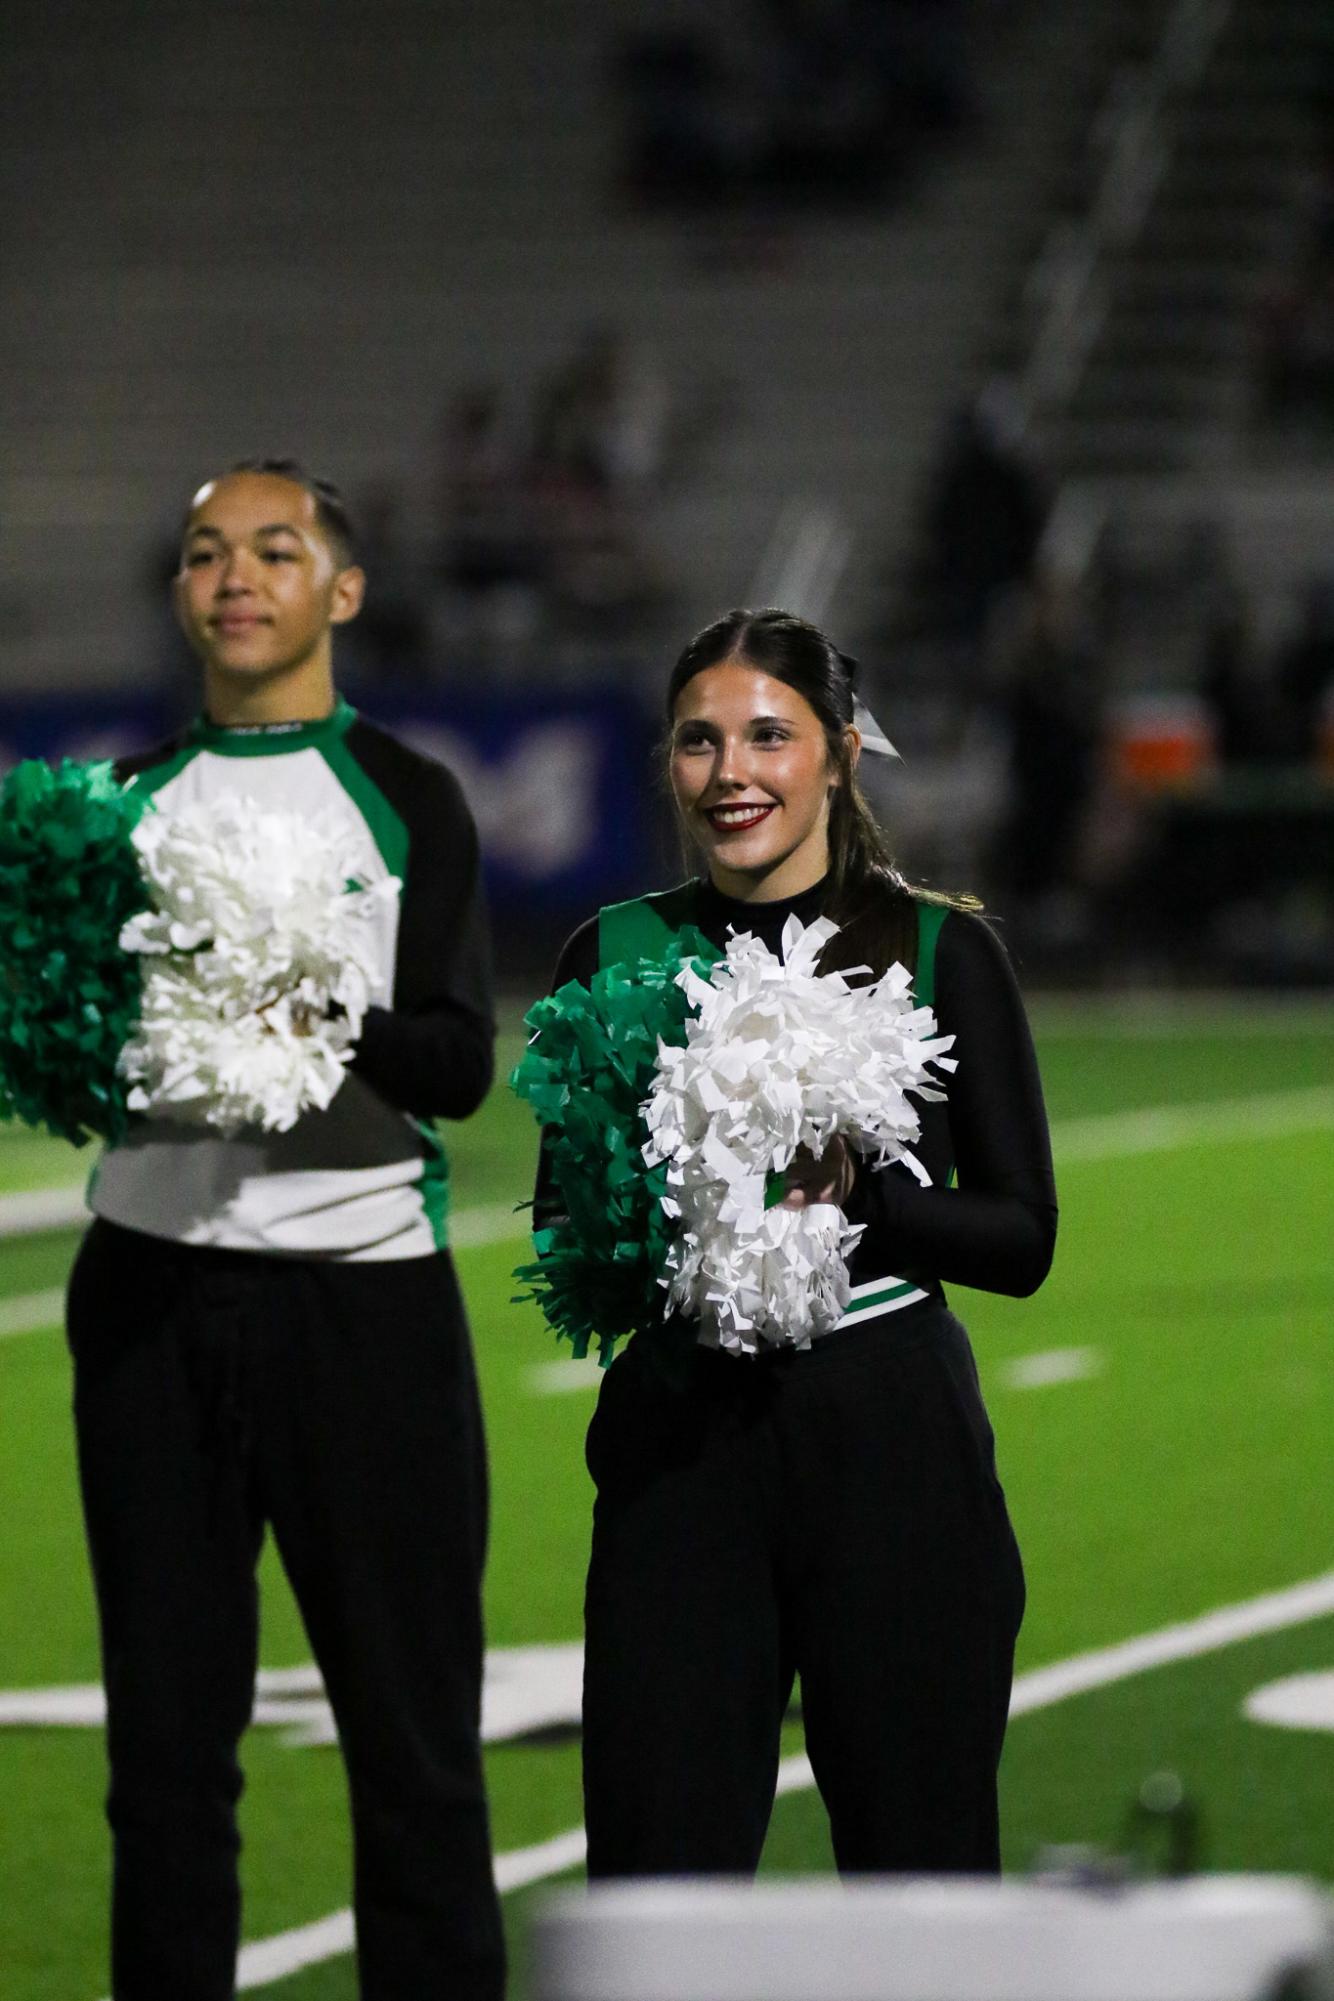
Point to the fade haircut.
(330, 508)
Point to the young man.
(267, 1334)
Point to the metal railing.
(1067, 291)
(804, 560)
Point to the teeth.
(736, 816)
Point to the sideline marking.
(486, 1223)
(287, 1952)
(31, 1210)
(1158, 1128)
(524, 1690)
(1298, 1702)
(1050, 1365)
(27, 1312)
(557, 1379)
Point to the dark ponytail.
(869, 898)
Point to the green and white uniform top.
(367, 1178)
(988, 1217)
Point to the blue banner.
(561, 784)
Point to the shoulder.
(973, 966)
(972, 938)
(673, 907)
(579, 954)
(173, 750)
(407, 776)
(633, 929)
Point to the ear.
(852, 744)
(177, 589)
(349, 591)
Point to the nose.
(729, 772)
(236, 575)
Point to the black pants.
(835, 1514)
(220, 1392)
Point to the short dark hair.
(330, 507)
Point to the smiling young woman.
(752, 777)
(830, 1511)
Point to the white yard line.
(487, 1223)
(1141, 1016)
(1273, 1612)
(33, 1210)
(563, 1377)
(28, 1312)
(1050, 1365)
(287, 1952)
(1041, 1688)
(1158, 1128)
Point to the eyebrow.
(270, 528)
(753, 722)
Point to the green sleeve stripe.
(388, 831)
(157, 775)
(641, 928)
(435, 1184)
(930, 917)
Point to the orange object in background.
(1161, 743)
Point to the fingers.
(828, 1179)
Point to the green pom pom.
(586, 1073)
(69, 997)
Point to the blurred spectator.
(790, 102)
(986, 516)
(1294, 347)
(829, 135)
(1051, 698)
(489, 557)
(602, 415)
(680, 148)
(599, 441)
(1304, 672)
(387, 645)
(1236, 684)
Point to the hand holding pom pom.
(258, 961)
(828, 1178)
(783, 1070)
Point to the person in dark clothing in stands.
(831, 1511)
(267, 1334)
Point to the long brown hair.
(870, 898)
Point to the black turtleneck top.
(996, 1228)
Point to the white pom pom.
(780, 1057)
(259, 965)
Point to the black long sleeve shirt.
(995, 1229)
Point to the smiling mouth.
(736, 819)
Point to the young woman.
(831, 1512)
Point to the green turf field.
(1163, 1408)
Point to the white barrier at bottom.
(1209, 1938)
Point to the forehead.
(241, 503)
(735, 690)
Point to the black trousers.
(834, 1514)
(217, 1394)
